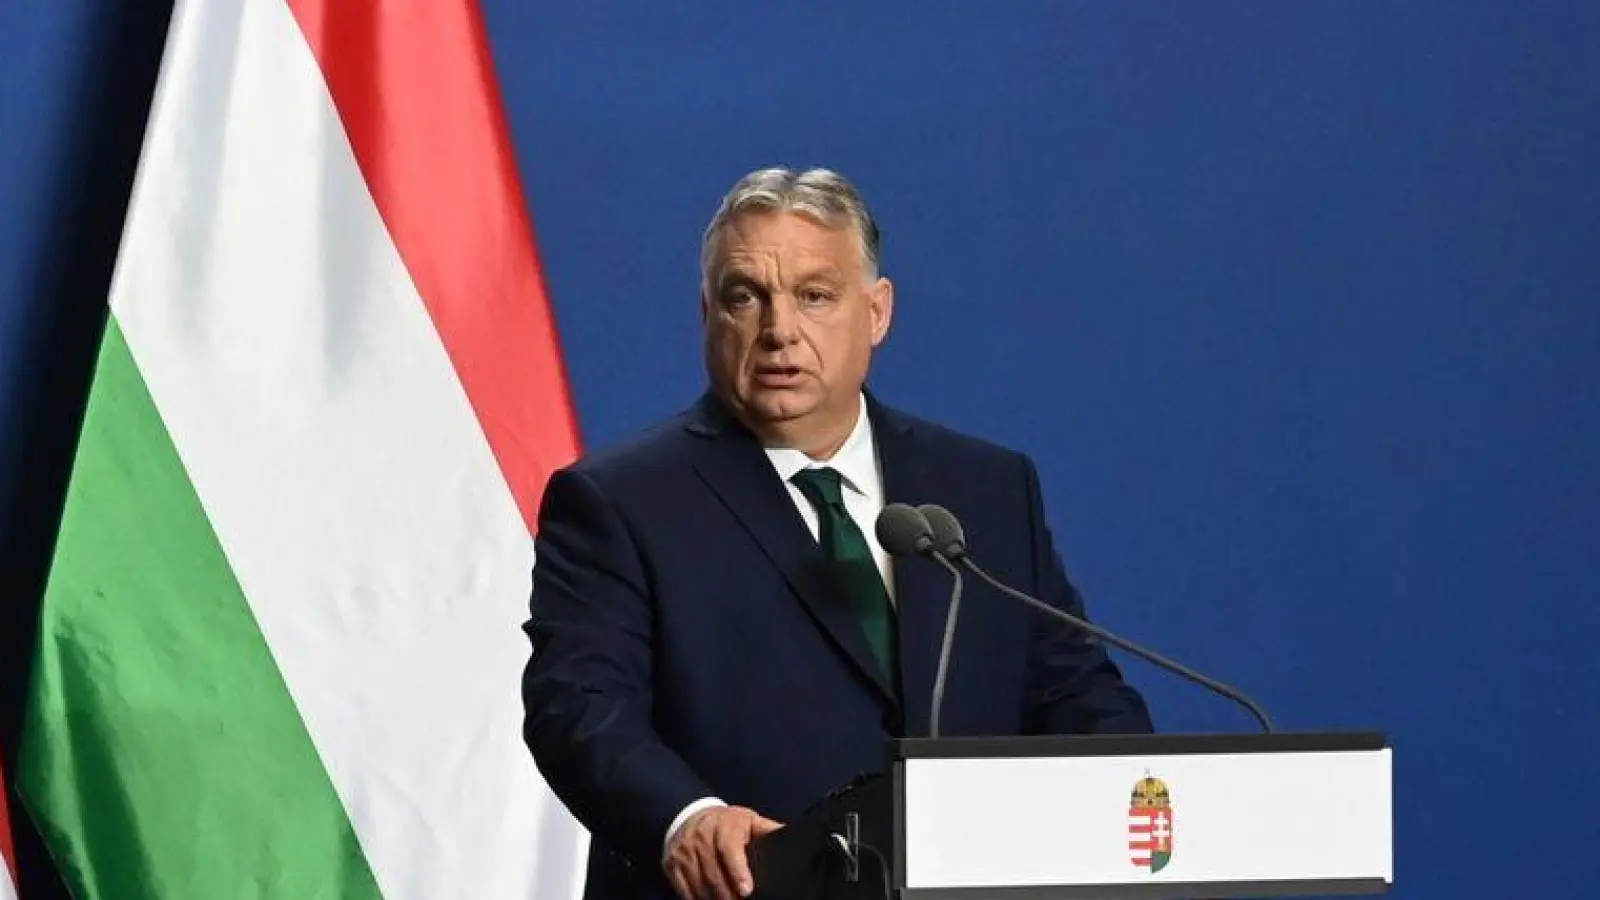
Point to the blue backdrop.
(1296, 305)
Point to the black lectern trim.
(1199, 890)
(1134, 745)
(898, 876)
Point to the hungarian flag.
(280, 649)
(8, 872)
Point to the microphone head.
(903, 531)
(948, 538)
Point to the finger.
(731, 844)
(762, 825)
(679, 861)
(696, 864)
(680, 884)
(705, 878)
(727, 885)
(694, 857)
(715, 884)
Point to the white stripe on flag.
(339, 461)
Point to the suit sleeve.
(1073, 685)
(587, 690)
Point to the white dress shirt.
(857, 462)
(862, 482)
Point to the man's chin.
(780, 412)
(778, 406)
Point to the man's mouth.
(777, 375)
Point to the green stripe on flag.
(162, 753)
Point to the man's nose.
(780, 324)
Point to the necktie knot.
(823, 487)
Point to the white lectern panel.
(1073, 820)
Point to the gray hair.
(819, 194)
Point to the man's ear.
(880, 304)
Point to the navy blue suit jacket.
(686, 642)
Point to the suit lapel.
(922, 587)
(737, 470)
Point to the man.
(718, 640)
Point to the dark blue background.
(1296, 305)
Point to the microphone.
(949, 542)
(904, 531)
(948, 538)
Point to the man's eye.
(739, 298)
(816, 296)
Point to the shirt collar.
(856, 461)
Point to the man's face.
(790, 323)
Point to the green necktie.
(846, 547)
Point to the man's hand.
(707, 859)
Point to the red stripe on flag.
(7, 850)
(415, 87)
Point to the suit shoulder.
(968, 448)
(663, 446)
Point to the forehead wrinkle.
(747, 264)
